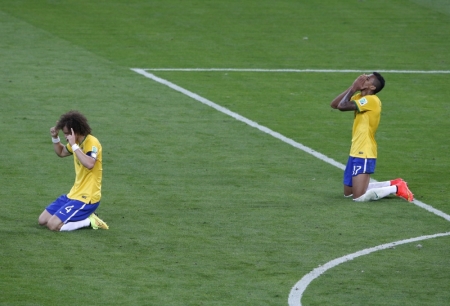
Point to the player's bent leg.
(52, 209)
(375, 194)
(348, 191)
(44, 217)
(385, 183)
(360, 183)
(71, 226)
(370, 195)
(54, 223)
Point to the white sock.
(71, 226)
(375, 194)
(379, 185)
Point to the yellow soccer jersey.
(88, 183)
(365, 125)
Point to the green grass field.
(204, 209)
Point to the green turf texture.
(203, 209)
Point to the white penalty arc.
(298, 289)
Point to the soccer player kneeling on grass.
(76, 209)
(361, 98)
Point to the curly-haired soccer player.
(76, 209)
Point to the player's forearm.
(59, 148)
(346, 98)
(338, 99)
(85, 160)
(346, 104)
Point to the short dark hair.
(76, 121)
(379, 83)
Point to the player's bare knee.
(53, 227)
(54, 224)
(42, 220)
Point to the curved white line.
(298, 289)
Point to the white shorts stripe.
(74, 213)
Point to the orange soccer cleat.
(396, 181)
(404, 192)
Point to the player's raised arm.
(334, 104)
(85, 160)
(343, 101)
(59, 148)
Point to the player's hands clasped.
(358, 84)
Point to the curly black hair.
(76, 121)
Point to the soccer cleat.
(97, 223)
(404, 192)
(396, 181)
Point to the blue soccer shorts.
(356, 165)
(68, 210)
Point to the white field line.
(298, 70)
(240, 118)
(297, 291)
(267, 130)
